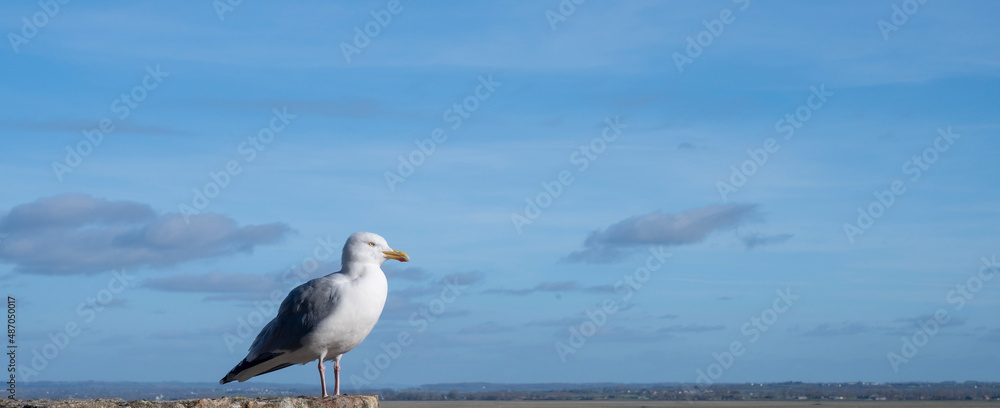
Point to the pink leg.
(322, 377)
(336, 376)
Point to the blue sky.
(581, 111)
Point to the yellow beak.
(397, 255)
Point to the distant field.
(700, 404)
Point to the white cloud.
(659, 228)
(80, 234)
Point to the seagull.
(325, 317)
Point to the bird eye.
(371, 244)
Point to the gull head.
(367, 247)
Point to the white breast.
(358, 309)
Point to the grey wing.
(300, 312)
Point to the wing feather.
(299, 314)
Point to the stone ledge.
(342, 401)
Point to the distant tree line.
(947, 391)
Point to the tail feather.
(261, 365)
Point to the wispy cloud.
(897, 327)
(757, 239)
(346, 108)
(463, 278)
(188, 334)
(460, 279)
(907, 326)
(75, 127)
(401, 308)
(556, 287)
(557, 322)
(215, 282)
(415, 274)
(80, 234)
(403, 303)
(659, 228)
(841, 329)
(991, 336)
(621, 334)
(486, 328)
(691, 328)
